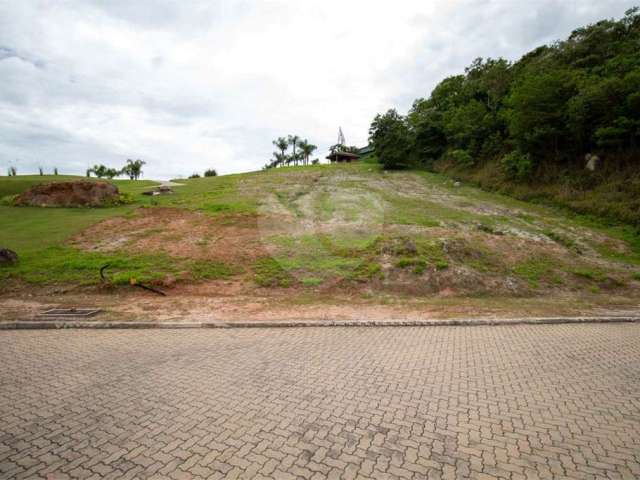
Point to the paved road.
(514, 402)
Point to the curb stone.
(62, 324)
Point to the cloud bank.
(189, 85)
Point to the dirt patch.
(69, 194)
(219, 301)
(233, 239)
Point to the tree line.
(554, 106)
(301, 152)
(211, 172)
(132, 169)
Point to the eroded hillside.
(350, 235)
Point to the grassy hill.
(327, 231)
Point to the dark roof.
(365, 150)
(343, 155)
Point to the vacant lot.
(340, 241)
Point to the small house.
(340, 157)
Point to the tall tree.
(133, 168)
(293, 141)
(282, 144)
(307, 150)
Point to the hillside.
(344, 241)
(561, 125)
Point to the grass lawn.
(39, 236)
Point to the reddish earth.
(69, 194)
(180, 233)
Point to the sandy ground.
(233, 301)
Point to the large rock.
(592, 162)
(69, 194)
(8, 257)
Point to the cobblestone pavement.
(554, 401)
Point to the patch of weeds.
(365, 271)
(608, 251)
(405, 262)
(442, 265)
(561, 239)
(324, 206)
(210, 270)
(240, 206)
(477, 257)
(431, 250)
(66, 264)
(414, 211)
(289, 199)
(419, 265)
(533, 270)
(526, 217)
(8, 200)
(311, 281)
(594, 275)
(636, 276)
(490, 229)
(269, 273)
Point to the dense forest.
(562, 124)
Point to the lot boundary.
(468, 322)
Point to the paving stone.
(517, 401)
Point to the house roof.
(364, 150)
(343, 155)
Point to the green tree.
(133, 168)
(293, 141)
(536, 113)
(306, 150)
(282, 144)
(389, 134)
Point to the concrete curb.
(61, 324)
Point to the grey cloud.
(199, 84)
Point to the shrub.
(195, 175)
(517, 165)
(210, 173)
(460, 157)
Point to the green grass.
(534, 270)
(29, 229)
(269, 273)
(561, 239)
(68, 265)
(345, 240)
(590, 274)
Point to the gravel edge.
(61, 324)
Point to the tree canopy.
(553, 106)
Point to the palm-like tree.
(293, 141)
(306, 149)
(133, 168)
(282, 144)
(280, 158)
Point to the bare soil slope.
(69, 194)
(352, 241)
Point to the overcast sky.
(187, 85)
